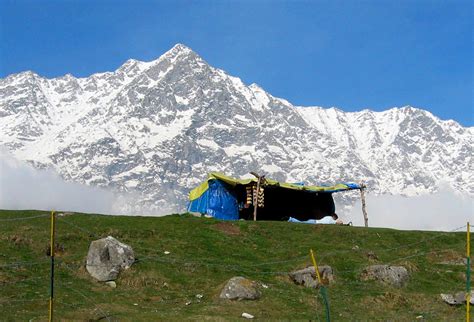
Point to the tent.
(228, 198)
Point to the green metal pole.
(51, 284)
(468, 273)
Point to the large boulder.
(307, 276)
(240, 288)
(393, 275)
(107, 257)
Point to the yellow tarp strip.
(198, 191)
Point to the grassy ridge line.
(204, 253)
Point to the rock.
(457, 299)
(247, 315)
(112, 284)
(307, 276)
(107, 257)
(240, 288)
(393, 275)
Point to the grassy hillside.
(205, 253)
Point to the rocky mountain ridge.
(156, 128)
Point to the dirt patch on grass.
(59, 250)
(227, 228)
(133, 279)
(155, 298)
(19, 240)
(3, 278)
(447, 257)
(389, 300)
(78, 269)
(410, 266)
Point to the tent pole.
(255, 199)
(364, 210)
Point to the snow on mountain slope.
(422, 149)
(156, 128)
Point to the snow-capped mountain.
(156, 128)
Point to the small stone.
(240, 288)
(393, 275)
(247, 315)
(307, 276)
(458, 298)
(166, 252)
(187, 303)
(111, 284)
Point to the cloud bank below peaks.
(24, 187)
(444, 210)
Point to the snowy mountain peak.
(156, 128)
(130, 63)
(181, 48)
(23, 76)
(180, 51)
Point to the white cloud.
(444, 210)
(24, 187)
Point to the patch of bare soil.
(3, 278)
(227, 228)
(388, 299)
(448, 257)
(20, 240)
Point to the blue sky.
(350, 54)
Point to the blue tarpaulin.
(218, 202)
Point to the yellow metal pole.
(322, 288)
(315, 266)
(51, 286)
(468, 273)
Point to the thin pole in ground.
(51, 284)
(468, 273)
(364, 209)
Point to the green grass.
(205, 253)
